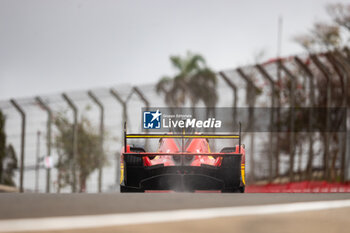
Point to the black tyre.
(228, 160)
(124, 189)
(133, 170)
(231, 166)
(242, 189)
(228, 150)
(132, 160)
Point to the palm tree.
(194, 81)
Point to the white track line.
(108, 220)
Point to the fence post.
(100, 105)
(272, 104)
(341, 72)
(345, 160)
(144, 100)
(278, 113)
(142, 96)
(346, 63)
(37, 161)
(347, 52)
(75, 137)
(292, 118)
(326, 74)
(250, 87)
(48, 138)
(310, 76)
(115, 94)
(235, 96)
(23, 132)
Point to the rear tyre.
(229, 190)
(242, 189)
(124, 189)
(132, 160)
(133, 166)
(232, 175)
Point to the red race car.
(183, 162)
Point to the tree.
(2, 144)
(9, 166)
(327, 37)
(88, 157)
(193, 81)
(340, 14)
(8, 158)
(322, 36)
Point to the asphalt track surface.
(20, 206)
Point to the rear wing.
(209, 136)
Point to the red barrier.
(301, 187)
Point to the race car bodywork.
(183, 162)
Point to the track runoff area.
(174, 212)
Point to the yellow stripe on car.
(121, 173)
(243, 173)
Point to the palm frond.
(194, 81)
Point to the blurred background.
(72, 72)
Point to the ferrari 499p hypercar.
(183, 162)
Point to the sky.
(52, 46)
